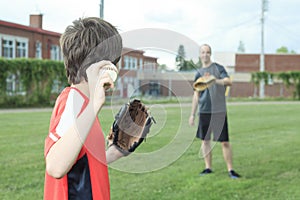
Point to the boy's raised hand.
(99, 80)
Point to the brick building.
(138, 72)
(20, 41)
(31, 41)
(133, 63)
(245, 64)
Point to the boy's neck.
(83, 87)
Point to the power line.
(281, 28)
(241, 24)
(249, 23)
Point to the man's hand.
(204, 82)
(192, 120)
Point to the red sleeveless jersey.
(69, 105)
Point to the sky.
(160, 26)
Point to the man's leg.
(227, 154)
(206, 152)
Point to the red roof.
(29, 28)
(127, 50)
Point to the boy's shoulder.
(72, 93)
(66, 92)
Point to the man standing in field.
(212, 111)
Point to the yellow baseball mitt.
(204, 82)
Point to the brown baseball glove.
(131, 125)
(204, 82)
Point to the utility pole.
(264, 8)
(101, 9)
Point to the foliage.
(257, 77)
(284, 49)
(34, 79)
(288, 78)
(191, 65)
(186, 65)
(241, 47)
(162, 67)
(180, 57)
(285, 77)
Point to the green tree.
(191, 65)
(180, 58)
(162, 67)
(293, 52)
(241, 47)
(284, 49)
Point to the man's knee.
(225, 144)
(205, 142)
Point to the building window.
(141, 64)
(149, 66)
(12, 47)
(57, 86)
(10, 83)
(126, 62)
(130, 62)
(8, 48)
(21, 49)
(154, 88)
(38, 50)
(54, 52)
(131, 65)
(14, 85)
(135, 63)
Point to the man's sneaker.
(206, 171)
(233, 174)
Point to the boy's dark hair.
(87, 41)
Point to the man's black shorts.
(213, 122)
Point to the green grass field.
(265, 140)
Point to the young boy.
(75, 155)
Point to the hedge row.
(35, 79)
(288, 78)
